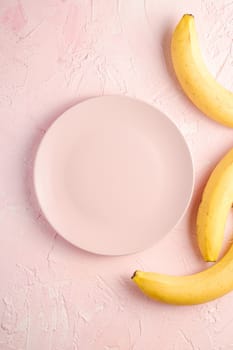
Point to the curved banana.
(198, 84)
(215, 205)
(188, 290)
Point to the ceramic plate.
(113, 175)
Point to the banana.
(217, 280)
(198, 288)
(213, 210)
(199, 85)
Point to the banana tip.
(188, 17)
(211, 260)
(134, 274)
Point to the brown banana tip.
(134, 274)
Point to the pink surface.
(113, 175)
(54, 54)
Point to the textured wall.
(55, 53)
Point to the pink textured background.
(56, 53)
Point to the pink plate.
(113, 175)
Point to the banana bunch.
(217, 197)
(199, 85)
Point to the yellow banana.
(215, 205)
(217, 280)
(198, 84)
(192, 289)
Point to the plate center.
(113, 176)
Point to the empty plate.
(113, 175)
